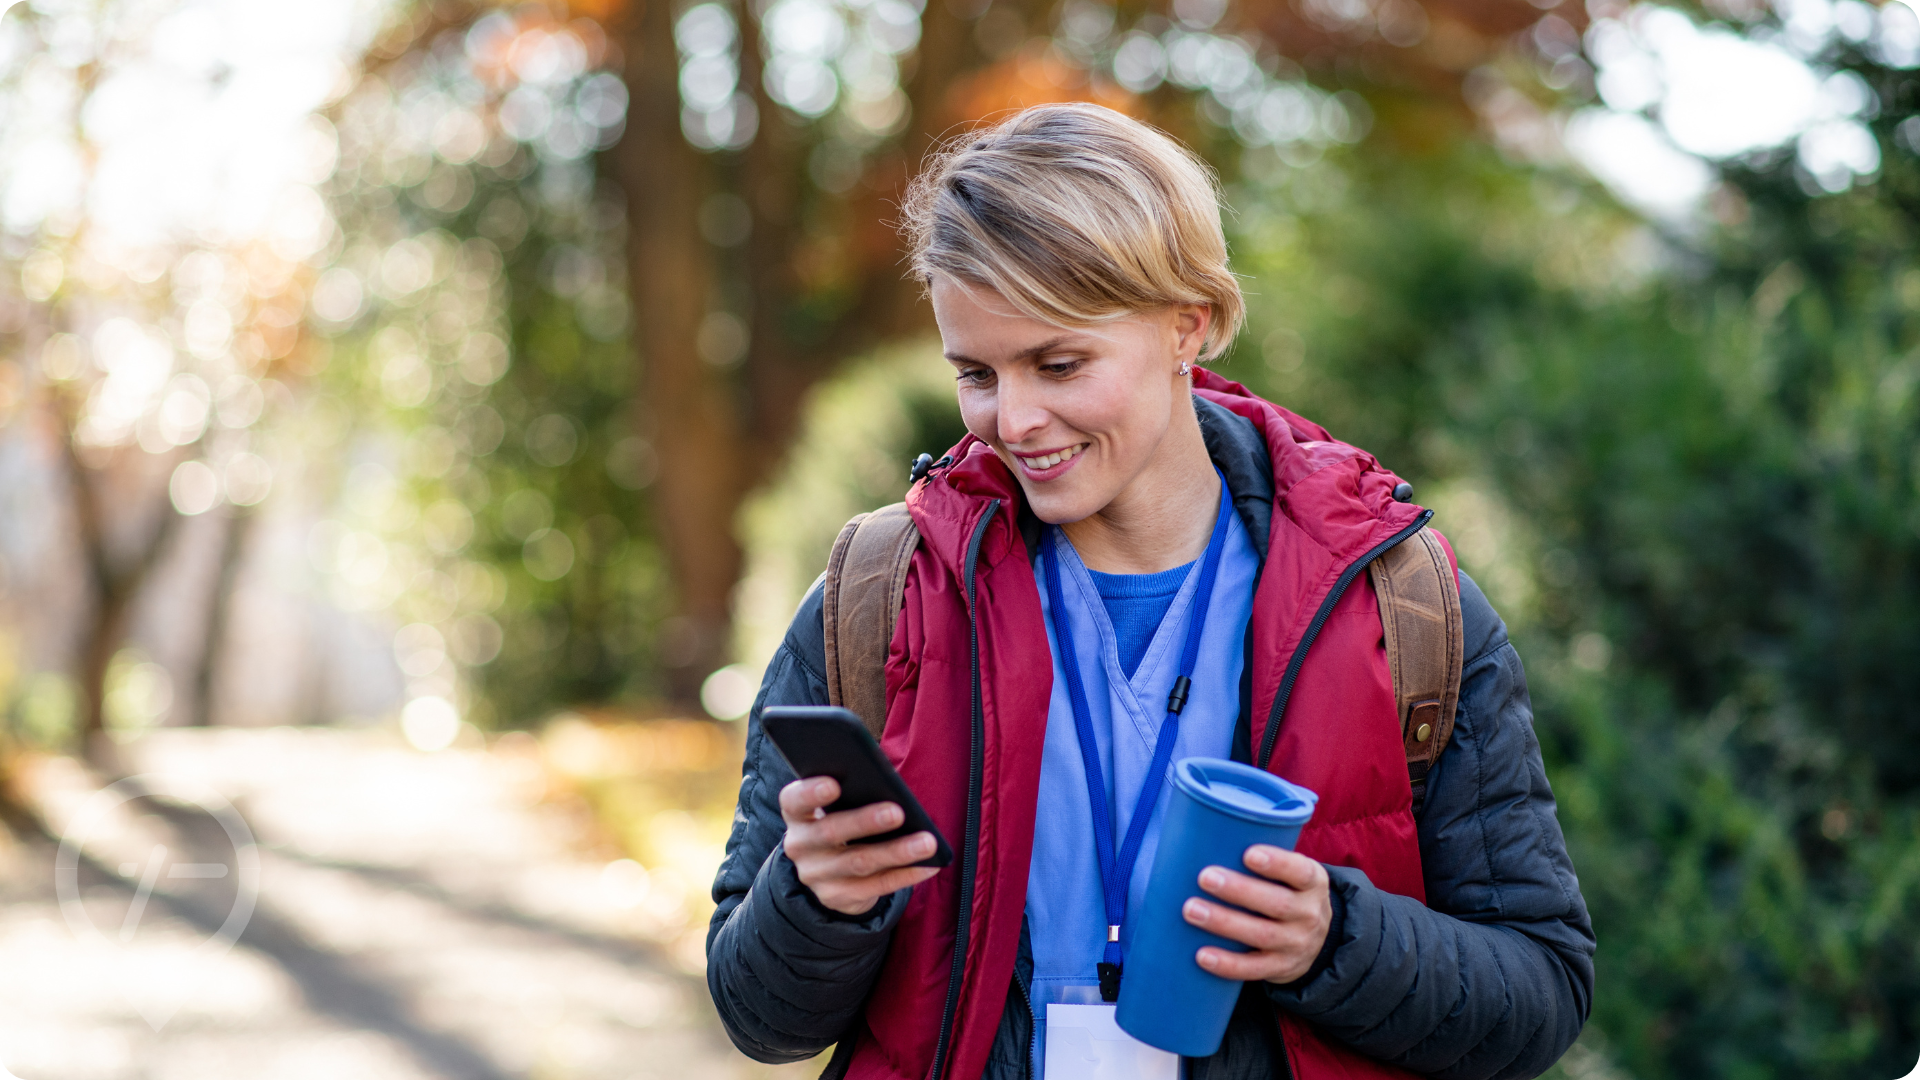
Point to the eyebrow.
(1028, 353)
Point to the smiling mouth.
(1044, 462)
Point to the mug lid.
(1244, 791)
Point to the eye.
(1060, 368)
(976, 376)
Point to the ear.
(1190, 325)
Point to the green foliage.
(1707, 482)
(859, 437)
(1744, 817)
(489, 480)
(582, 585)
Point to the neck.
(1164, 517)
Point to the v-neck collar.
(1142, 699)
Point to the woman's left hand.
(1292, 916)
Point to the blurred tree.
(759, 160)
(118, 551)
(237, 525)
(763, 153)
(142, 354)
(757, 163)
(479, 374)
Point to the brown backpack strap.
(866, 580)
(1420, 620)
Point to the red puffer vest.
(968, 680)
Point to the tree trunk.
(235, 528)
(116, 586)
(686, 407)
(773, 179)
(719, 432)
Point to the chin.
(1057, 507)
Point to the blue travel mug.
(1218, 809)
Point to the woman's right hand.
(849, 878)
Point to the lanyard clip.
(1109, 981)
(1177, 698)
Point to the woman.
(1078, 273)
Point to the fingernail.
(890, 815)
(1211, 878)
(1258, 856)
(1195, 911)
(1205, 959)
(922, 845)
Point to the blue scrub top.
(1066, 916)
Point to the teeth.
(1040, 464)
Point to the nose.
(1019, 411)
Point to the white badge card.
(1084, 1043)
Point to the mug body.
(1217, 810)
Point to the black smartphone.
(823, 740)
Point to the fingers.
(857, 896)
(845, 876)
(803, 803)
(834, 830)
(850, 879)
(866, 860)
(1286, 867)
(1285, 922)
(904, 878)
(800, 799)
(1250, 967)
(819, 864)
(1281, 950)
(1266, 935)
(1265, 897)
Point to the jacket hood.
(1327, 492)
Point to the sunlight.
(1674, 90)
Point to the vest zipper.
(1280, 697)
(969, 849)
(1033, 1028)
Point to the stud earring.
(1185, 369)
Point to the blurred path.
(420, 916)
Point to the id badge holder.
(1084, 1043)
(1079, 1039)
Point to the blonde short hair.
(1078, 215)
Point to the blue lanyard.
(1116, 871)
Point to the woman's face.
(1077, 414)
